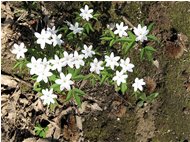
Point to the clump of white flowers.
(48, 36)
(61, 67)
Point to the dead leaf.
(187, 85)
(150, 84)
(95, 106)
(174, 49)
(30, 140)
(118, 109)
(8, 81)
(156, 63)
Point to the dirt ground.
(104, 116)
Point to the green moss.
(172, 123)
(107, 129)
(179, 12)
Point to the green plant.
(40, 131)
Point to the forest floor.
(105, 117)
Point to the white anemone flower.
(46, 63)
(65, 81)
(19, 50)
(57, 63)
(121, 29)
(34, 65)
(141, 33)
(56, 39)
(126, 65)
(87, 51)
(43, 71)
(78, 60)
(43, 38)
(138, 84)
(43, 74)
(68, 59)
(95, 66)
(112, 61)
(86, 13)
(52, 31)
(48, 96)
(75, 28)
(120, 77)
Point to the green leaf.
(124, 46)
(40, 131)
(77, 99)
(52, 78)
(131, 35)
(143, 96)
(86, 27)
(152, 96)
(123, 39)
(90, 27)
(112, 42)
(37, 87)
(112, 34)
(129, 46)
(56, 87)
(69, 95)
(103, 79)
(78, 77)
(149, 55)
(150, 27)
(79, 92)
(150, 48)
(140, 103)
(106, 38)
(151, 37)
(93, 81)
(71, 70)
(42, 134)
(88, 76)
(142, 54)
(95, 18)
(123, 88)
(16, 65)
(96, 15)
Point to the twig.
(127, 22)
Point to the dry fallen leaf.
(30, 140)
(95, 106)
(187, 85)
(118, 109)
(150, 84)
(8, 81)
(156, 63)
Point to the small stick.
(127, 22)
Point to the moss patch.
(179, 12)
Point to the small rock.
(118, 119)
